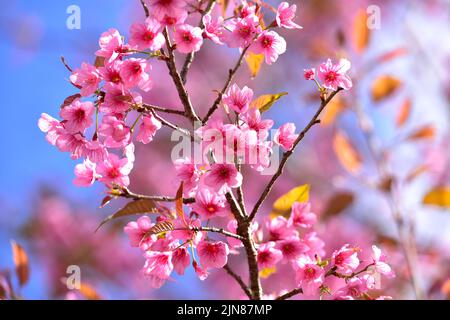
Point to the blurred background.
(393, 189)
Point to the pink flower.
(95, 151)
(87, 77)
(115, 132)
(111, 72)
(243, 31)
(160, 8)
(285, 136)
(202, 273)
(237, 99)
(175, 17)
(271, 44)
(183, 230)
(188, 173)
(181, 259)
(309, 275)
(136, 231)
(309, 74)
(292, 248)
(315, 244)
(213, 29)
(158, 267)
(334, 76)
(247, 10)
(355, 287)
(84, 174)
(78, 115)
(278, 229)
(112, 46)
(223, 177)
(134, 72)
(301, 215)
(188, 38)
(209, 205)
(232, 227)
(212, 254)
(285, 15)
(51, 126)
(115, 170)
(147, 35)
(346, 259)
(253, 120)
(148, 128)
(74, 143)
(118, 100)
(268, 255)
(379, 262)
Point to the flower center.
(149, 36)
(310, 272)
(80, 114)
(244, 31)
(331, 76)
(187, 37)
(113, 173)
(266, 42)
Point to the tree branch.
(125, 193)
(287, 154)
(218, 230)
(238, 280)
(290, 294)
(161, 109)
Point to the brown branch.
(238, 280)
(287, 154)
(125, 193)
(218, 230)
(190, 57)
(290, 294)
(144, 6)
(161, 109)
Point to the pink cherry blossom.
(309, 74)
(115, 170)
(243, 31)
(181, 259)
(213, 28)
(268, 256)
(84, 174)
(279, 229)
(74, 143)
(291, 248)
(355, 288)
(52, 127)
(95, 151)
(212, 254)
(87, 77)
(134, 72)
(78, 116)
(380, 265)
(116, 133)
(118, 99)
(271, 44)
(223, 177)
(238, 99)
(232, 227)
(112, 46)
(146, 35)
(247, 9)
(136, 231)
(188, 173)
(285, 15)
(209, 205)
(182, 230)
(285, 136)
(158, 267)
(111, 72)
(148, 128)
(160, 8)
(174, 17)
(315, 244)
(253, 120)
(188, 38)
(301, 215)
(309, 275)
(334, 76)
(346, 259)
(202, 273)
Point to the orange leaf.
(346, 153)
(361, 34)
(384, 86)
(439, 196)
(89, 292)
(21, 263)
(390, 55)
(179, 204)
(426, 132)
(403, 114)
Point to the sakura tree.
(209, 219)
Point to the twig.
(218, 230)
(144, 6)
(287, 154)
(162, 109)
(238, 280)
(290, 294)
(125, 193)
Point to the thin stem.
(218, 230)
(162, 109)
(125, 193)
(287, 154)
(290, 294)
(238, 280)
(135, 122)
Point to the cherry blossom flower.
(158, 267)
(291, 248)
(74, 143)
(173, 18)
(232, 227)
(279, 229)
(111, 72)
(181, 259)
(285, 136)
(315, 244)
(115, 170)
(188, 173)
(78, 116)
(202, 273)
(84, 174)
(334, 76)
(87, 77)
(223, 177)
(118, 100)
(243, 31)
(52, 127)
(309, 275)
(136, 231)
(112, 46)
(212, 254)
(134, 72)
(285, 15)
(355, 288)
(309, 74)
(238, 99)
(188, 38)
(247, 9)
(301, 215)
(161, 8)
(95, 151)
(146, 35)
(148, 128)
(116, 133)
(253, 120)
(271, 44)
(209, 205)
(213, 29)
(380, 265)
(268, 256)
(346, 259)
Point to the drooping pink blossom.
(148, 128)
(238, 99)
(301, 215)
(212, 254)
(209, 204)
(243, 31)
(146, 35)
(112, 46)
(285, 15)
(213, 28)
(158, 267)
(84, 174)
(115, 170)
(291, 248)
(188, 38)
(78, 116)
(52, 127)
(181, 259)
(87, 77)
(334, 76)
(271, 44)
(285, 136)
(309, 276)
(268, 256)
(115, 132)
(135, 72)
(223, 177)
(201, 272)
(346, 259)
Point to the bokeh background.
(55, 221)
